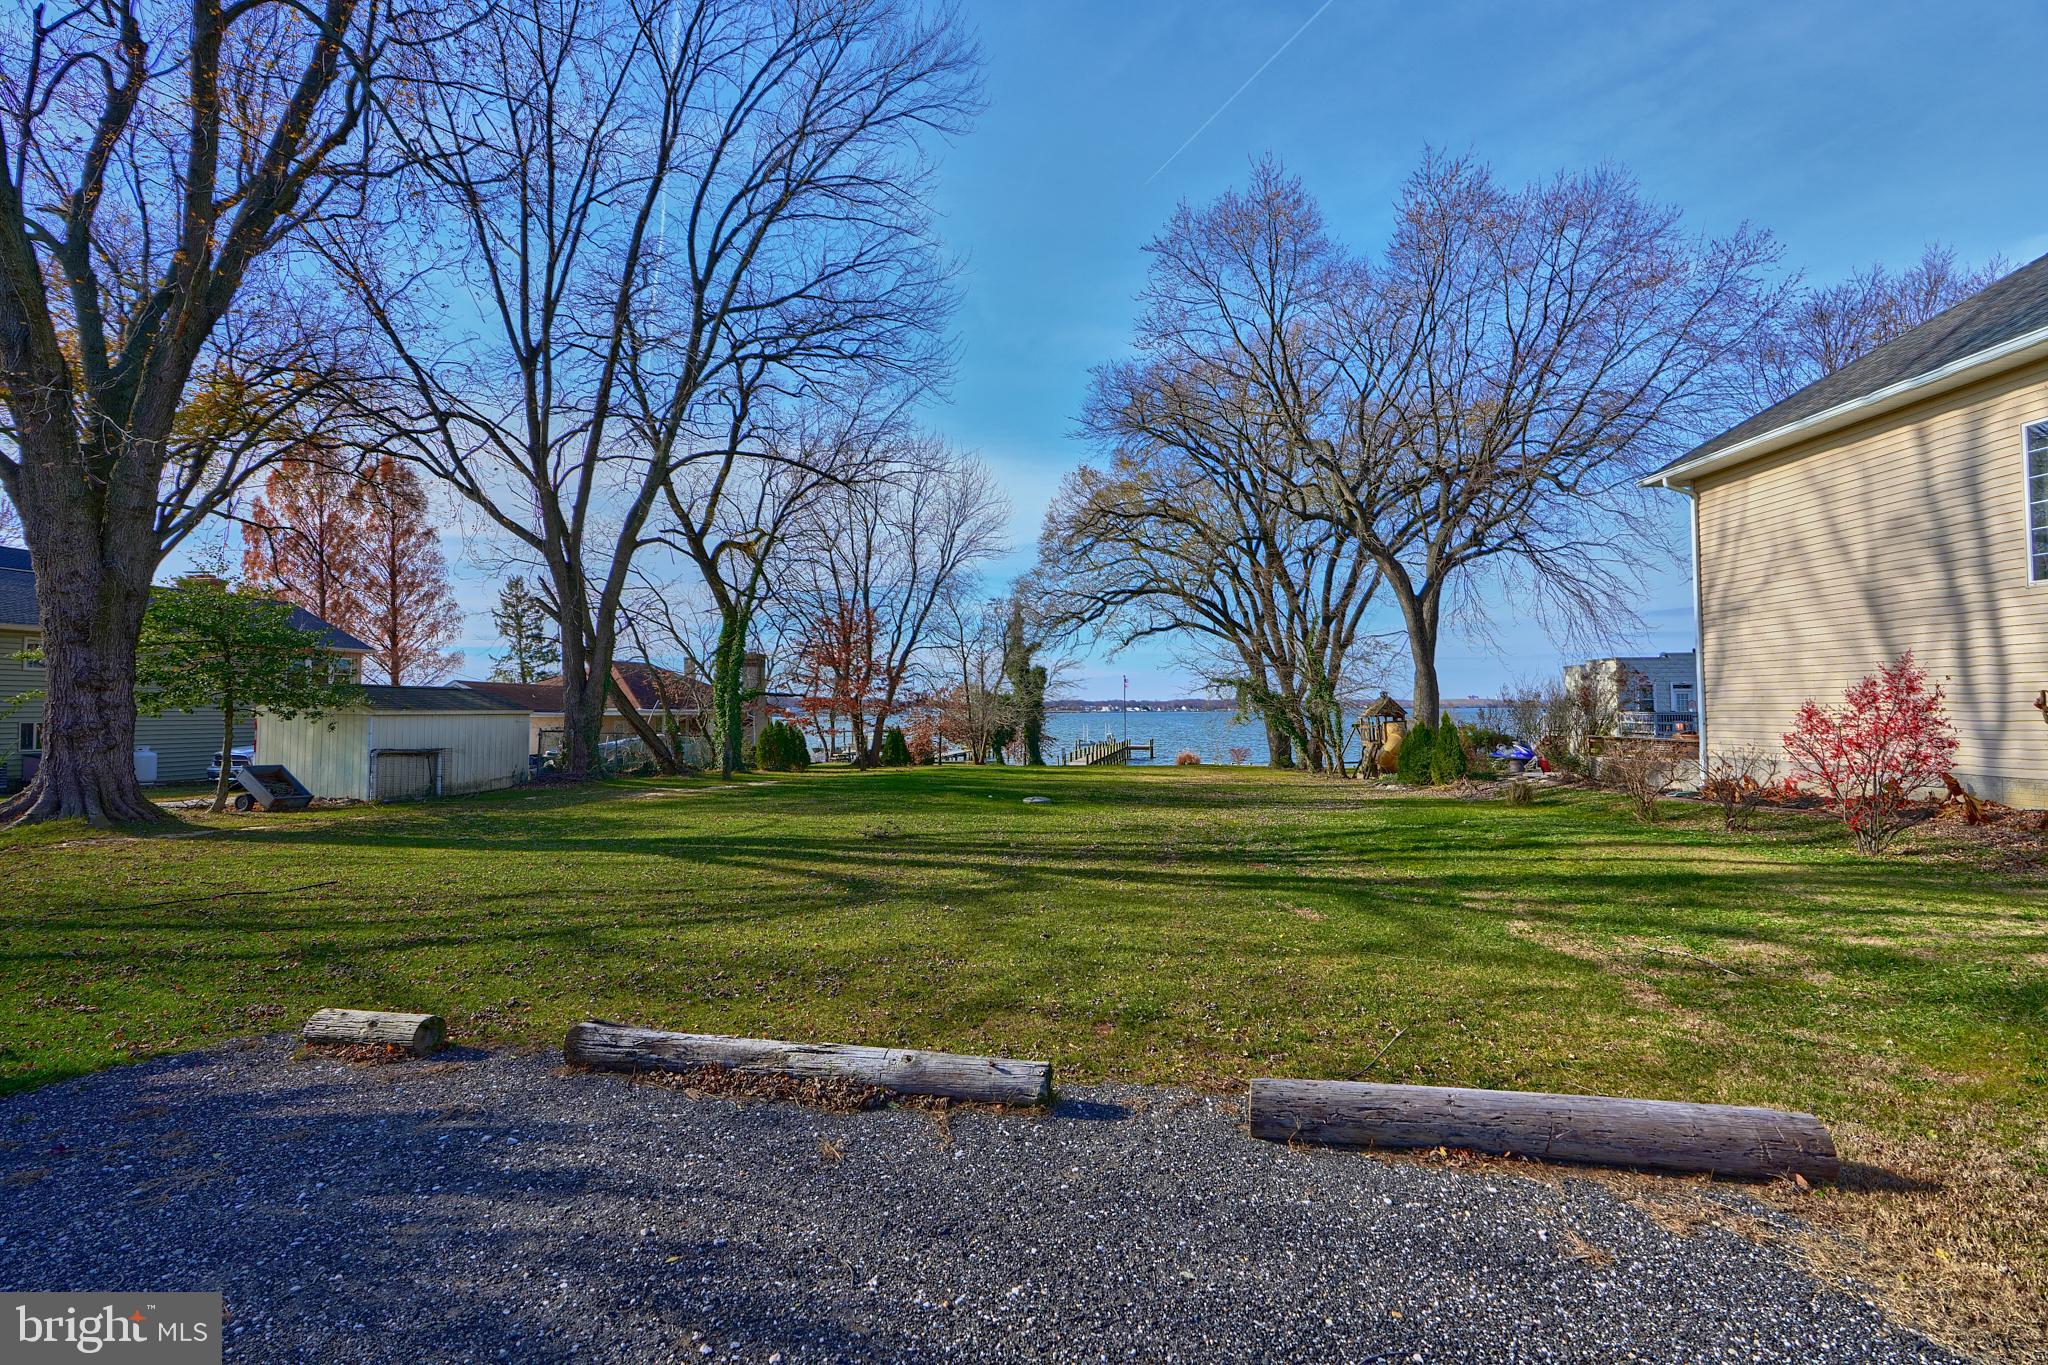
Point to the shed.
(402, 743)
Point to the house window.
(31, 737)
(1681, 698)
(2037, 502)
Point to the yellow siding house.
(1899, 504)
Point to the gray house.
(1653, 694)
(182, 742)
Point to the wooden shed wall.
(331, 755)
(480, 750)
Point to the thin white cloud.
(1241, 89)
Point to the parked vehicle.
(245, 754)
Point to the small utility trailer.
(268, 787)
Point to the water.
(1210, 735)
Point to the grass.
(1189, 926)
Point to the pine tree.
(522, 620)
(1415, 760)
(1447, 761)
(409, 615)
(1027, 686)
(895, 749)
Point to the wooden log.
(990, 1080)
(1651, 1134)
(418, 1034)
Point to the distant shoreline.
(1078, 708)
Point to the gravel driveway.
(481, 1207)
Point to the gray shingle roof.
(18, 603)
(380, 698)
(647, 685)
(543, 696)
(337, 638)
(17, 589)
(1998, 313)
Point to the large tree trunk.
(1279, 746)
(1428, 700)
(728, 686)
(1420, 613)
(91, 607)
(878, 729)
(583, 699)
(586, 670)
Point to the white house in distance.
(1901, 503)
(1654, 694)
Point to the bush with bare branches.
(1738, 781)
(1641, 772)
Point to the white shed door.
(404, 776)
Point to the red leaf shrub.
(1890, 737)
(922, 730)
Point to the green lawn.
(1194, 926)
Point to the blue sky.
(1855, 132)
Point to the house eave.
(2020, 350)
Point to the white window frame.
(33, 728)
(1691, 707)
(2027, 502)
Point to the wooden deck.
(1106, 751)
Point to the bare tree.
(873, 567)
(661, 206)
(10, 523)
(730, 515)
(966, 685)
(1824, 328)
(1192, 524)
(157, 162)
(1153, 547)
(1510, 367)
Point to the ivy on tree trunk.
(728, 690)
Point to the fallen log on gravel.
(989, 1080)
(1652, 1134)
(418, 1034)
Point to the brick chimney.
(754, 680)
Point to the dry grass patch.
(354, 1054)
(1950, 1232)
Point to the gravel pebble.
(481, 1207)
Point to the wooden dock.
(1106, 751)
